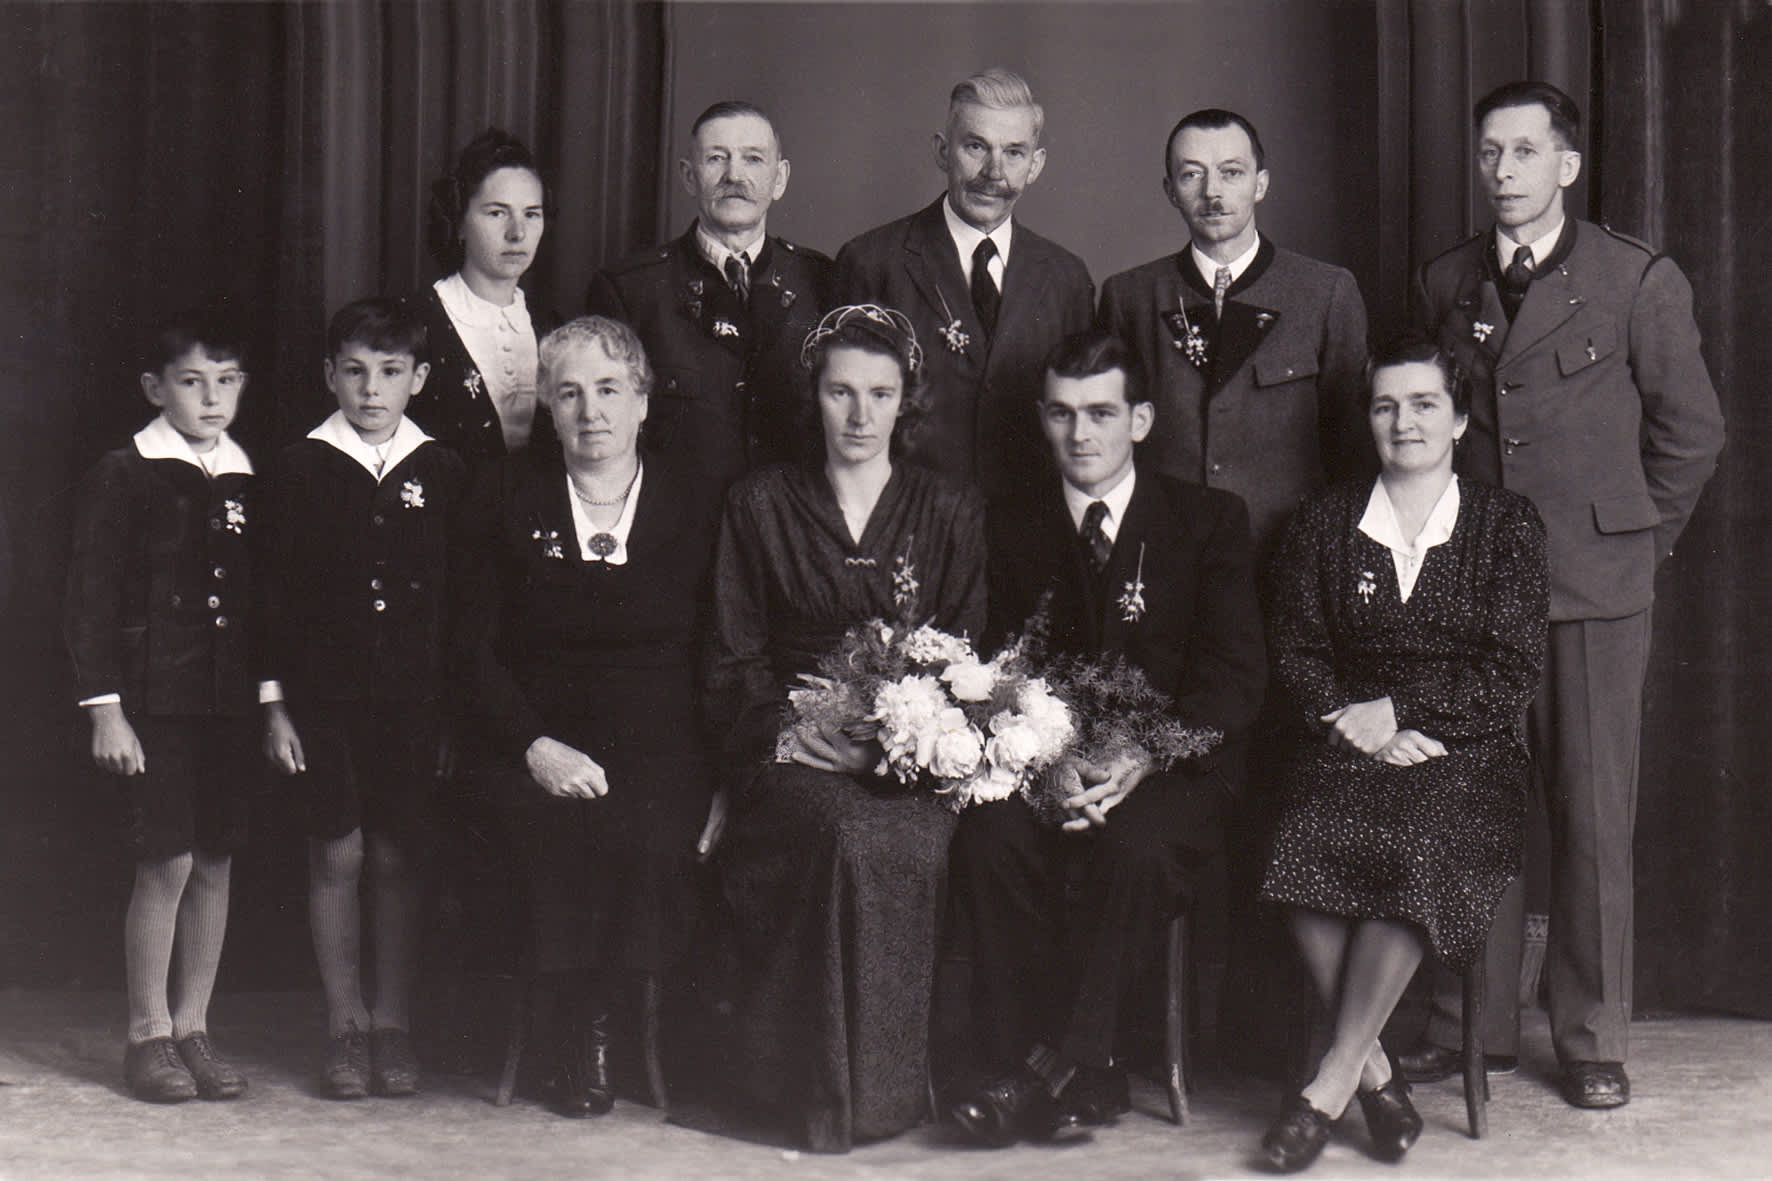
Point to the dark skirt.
(833, 887)
(1433, 844)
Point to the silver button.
(375, 584)
(379, 605)
(220, 572)
(214, 602)
(221, 621)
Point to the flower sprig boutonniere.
(1131, 600)
(1480, 332)
(234, 516)
(412, 494)
(1188, 338)
(550, 543)
(904, 579)
(952, 334)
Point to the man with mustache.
(722, 310)
(988, 297)
(1255, 353)
(1589, 395)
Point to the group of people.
(584, 564)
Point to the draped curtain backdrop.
(279, 156)
(1675, 92)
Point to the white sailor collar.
(337, 432)
(161, 440)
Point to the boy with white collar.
(358, 516)
(158, 586)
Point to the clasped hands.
(1099, 787)
(1370, 728)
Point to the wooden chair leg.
(516, 1034)
(649, 1032)
(1175, 1020)
(1476, 1073)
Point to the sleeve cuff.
(102, 699)
(269, 691)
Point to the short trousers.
(372, 767)
(195, 792)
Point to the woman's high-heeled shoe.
(1391, 1120)
(1296, 1139)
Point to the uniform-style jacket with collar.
(453, 407)
(354, 574)
(1275, 411)
(1197, 634)
(983, 387)
(159, 587)
(1595, 403)
(730, 395)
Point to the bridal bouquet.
(974, 731)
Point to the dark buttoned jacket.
(159, 587)
(1274, 413)
(1197, 634)
(983, 387)
(1595, 403)
(354, 574)
(730, 394)
(454, 407)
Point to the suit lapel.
(1023, 281)
(1058, 533)
(1240, 333)
(934, 269)
(1477, 324)
(1124, 573)
(772, 297)
(1550, 300)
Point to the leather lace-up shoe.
(393, 1068)
(1428, 1063)
(1015, 1107)
(216, 1079)
(1296, 1139)
(346, 1071)
(1596, 1084)
(1392, 1122)
(155, 1073)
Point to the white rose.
(958, 747)
(906, 711)
(970, 680)
(1013, 745)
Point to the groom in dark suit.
(988, 296)
(1050, 974)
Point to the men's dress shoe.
(1015, 1107)
(1297, 1138)
(1392, 1122)
(584, 1080)
(1097, 1095)
(1428, 1063)
(156, 1073)
(346, 1072)
(1596, 1084)
(216, 1079)
(393, 1068)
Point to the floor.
(1701, 1087)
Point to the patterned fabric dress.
(1432, 844)
(833, 881)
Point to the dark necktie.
(1095, 537)
(986, 299)
(1221, 283)
(738, 275)
(1515, 280)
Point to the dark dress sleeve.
(744, 698)
(1301, 649)
(1487, 691)
(482, 584)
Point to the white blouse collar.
(1380, 524)
(464, 307)
(585, 530)
(161, 440)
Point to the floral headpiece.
(892, 327)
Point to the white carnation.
(906, 711)
(957, 748)
(970, 680)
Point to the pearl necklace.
(603, 543)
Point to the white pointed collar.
(338, 432)
(161, 440)
(1380, 524)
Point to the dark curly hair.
(854, 328)
(1408, 348)
(484, 155)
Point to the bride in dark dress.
(1407, 624)
(833, 875)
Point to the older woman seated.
(1407, 629)
(585, 590)
(832, 874)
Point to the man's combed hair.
(1215, 119)
(1565, 116)
(212, 327)
(999, 89)
(1095, 351)
(384, 325)
(1411, 348)
(616, 339)
(732, 108)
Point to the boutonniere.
(412, 494)
(904, 579)
(954, 336)
(1481, 331)
(1264, 320)
(1367, 586)
(474, 383)
(724, 327)
(234, 519)
(550, 544)
(1131, 600)
(1188, 338)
